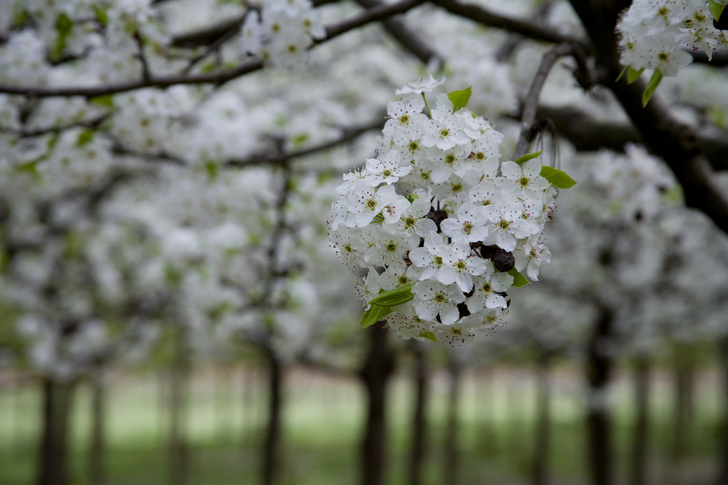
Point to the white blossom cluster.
(655, 34)
(282, 31)
(437, 209)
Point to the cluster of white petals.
(282, 31)
(438, 210)
(657, 34)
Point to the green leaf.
(373, 315)
(518, 279)
(716, 9)
(429, 336)
(100, 14)
(106, 100)
(460, 98)
(212, 169)
(621, 74)
(529, 156)
(651, 86)
(633, 74)
(558, 178)
(299, 139)
(85, 137)
(412, 197)
(397, 296)
(64, 25)
(20, 14)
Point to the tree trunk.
(273, 425)
(56, 414)
(419, 424)
(543, 421)
(722, 477)
(97, 439)
(178, 395)
(682, 411)
(641, 429)
(451, 472)
(598, 372)
(375, 373)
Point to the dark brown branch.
(371, 15)
(408, 38)
(348, 135)
(665, 136)
(720, 59)
(210, 34)
(531, 103)
(490, 19)
(155, 82)
(146, 73)
(589, 134)
(87, 124)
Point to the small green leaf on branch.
(85, 137)
(373, 315)
(651, 86)
(20, 15)
(634, 74)
(429, 336)
(397, 296)
(106, 100)
(529, 156)
(64, 25)
(101, 15)
(412, 197)
(518, 279)
(558, 178)
(716, 9)
(460, 98)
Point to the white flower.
(387, 170)
(420, 85)
(433, 299)
(487, 288)
(459, 265)
(429, 257)
(468, 226)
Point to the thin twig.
(490, 19)
(531, 102)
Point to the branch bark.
(661, 133)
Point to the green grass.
(323, 424)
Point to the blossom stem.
(427, 105)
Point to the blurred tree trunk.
(419, 424)
(543, 419)
(599, 364)
(179, 380)
(684, 383)
(273, 426)
(640, 431)
(52, 463)
(375, 373)
(722, 477)
(451, 470)
(97, 439)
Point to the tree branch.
(589, 134)
(408, 38)
(490, 19)
(676, 143)
(531, 103)
(348, 135)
